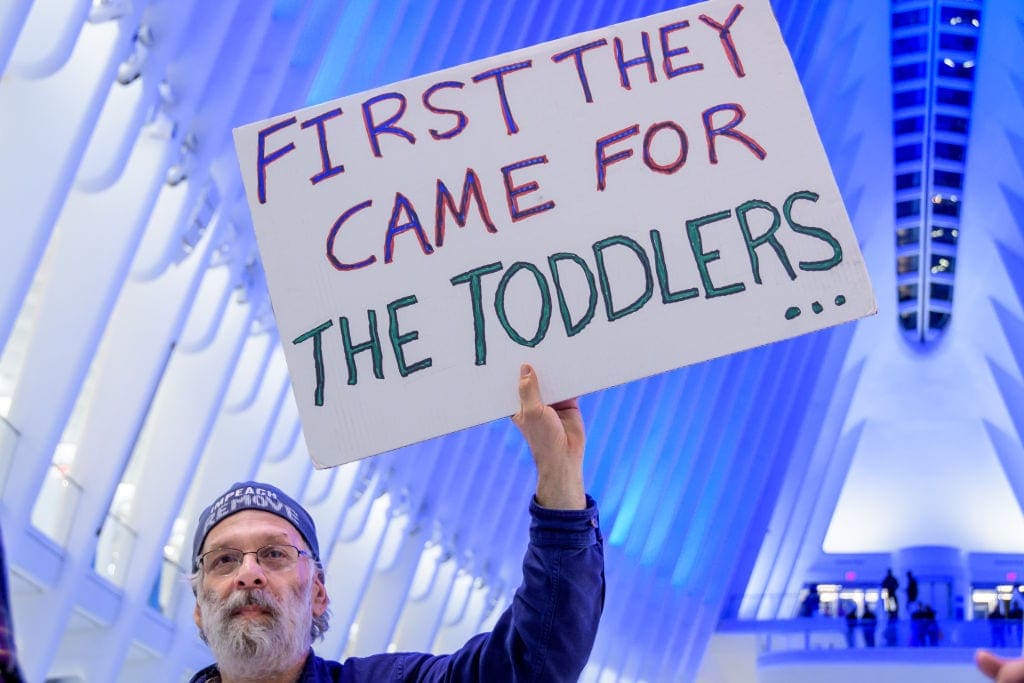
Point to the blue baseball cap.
(252, 495)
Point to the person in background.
(917, 626)
(261, 597)
(932, 632)
(892, 602)
(1014, 617)
(851, 628)
(911, 589)
(809, 605)
(868, 624)
(997, 623)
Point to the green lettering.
(818, 233)
(545, 308)
(373, 346)
(602, 274)
(572, 329)
(767, 238)
(705, 257)
(398, 340)
(667, 295)
(318, 358)
(473, 278)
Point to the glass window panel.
(958, 16)
(948, 68)
(907, 181)
(946, 206)
(906, 153)
(914, 17)
(908, 320)
(949, 179)
(938, 320)
(902, 46)
(907, 72)
(943, 264)
(960, 98)
(941, 292)
(909, 207)
(912, 98)
(944, 235)
(951, 124)
(907, 292)
(958, 42)
(905, 236)
(906, 264)
(947, 150)
(913, 124)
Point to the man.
(261, 598)
(889, 586)
(911, 589)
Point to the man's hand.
(556, 437)
(999, 669)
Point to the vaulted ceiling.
(141, 371)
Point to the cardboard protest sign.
(606, 207)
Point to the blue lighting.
(347, 37)
(307, 46)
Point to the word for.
(653, 265)
(382, 114)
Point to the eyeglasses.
(273, 558)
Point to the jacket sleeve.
(546, 634)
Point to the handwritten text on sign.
(606, 206)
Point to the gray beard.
(254, 648)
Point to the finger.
(567, 404)
(529, 391)
(988, 663)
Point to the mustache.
(256, 597)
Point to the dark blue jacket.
(545, 635)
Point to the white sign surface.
(606, 207)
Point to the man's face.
(258, 619)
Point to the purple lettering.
(668, 53)
(725, 36)
(375, 130)
(321, 136)
(461, 118)
(499, 78)
(577, 54)
(512, 192)
(403, 205)
(333, 234)
(263, 159)
(624, 64)
(446, 204)
(729, 130)
(604, 162)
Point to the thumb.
(988, 663)
(529, 392)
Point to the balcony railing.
(829, 633)
(8, 440)
(55, 509)
(114, 550)
(169, 587)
